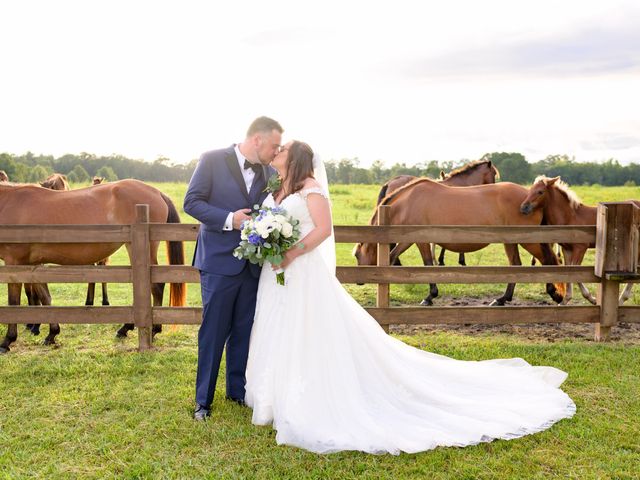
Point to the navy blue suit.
(228, 285)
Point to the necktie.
(256, 167)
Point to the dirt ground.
(626, 333)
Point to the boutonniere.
(273, 184)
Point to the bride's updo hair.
(299, 167)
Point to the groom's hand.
(240, 216)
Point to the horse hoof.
(497, 303)
(4, 350)
(49, 341)
(426, 303)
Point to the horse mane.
(466, 169)
(563, 188)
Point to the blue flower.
(255, 239)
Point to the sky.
(401, 81)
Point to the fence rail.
(615, 235)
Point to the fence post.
(382, 298)
(616, 255)
(141, 274)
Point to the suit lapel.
(234, 168)
(258, 184)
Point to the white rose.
(287, 230)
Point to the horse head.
(366, 253)
(537, 194)
(493, 173)
(56, 181)
(3, 176)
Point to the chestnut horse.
(38, 293)
(91, 287)
(427, 202)
(478, 172)
(561, 206)
(111, 203)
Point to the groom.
(223, 189)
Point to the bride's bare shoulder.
(310, 183)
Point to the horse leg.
(31, 300)
(396, 262)
(105, 296)
(544, 253)
(44, 296)
(461, 260)
(399, 249)
(575, 257)
(14, 290)
(511, 249)
(626, 293)
(157, 291)
(91, 292)
(441, 257)
(427, 259)
(39, 297)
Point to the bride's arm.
(321, 216)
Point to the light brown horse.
(38, 293)
(426, 202)
(561, 206)
(478, 172)
(91, 287)
(111, 203)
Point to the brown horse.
(91, 287)
(561, 206)
(478, 172)
(111, 203)
(38, 293)
(426, 202)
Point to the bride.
(328, 378)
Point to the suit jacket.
(217, 188)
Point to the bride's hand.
(289, 257)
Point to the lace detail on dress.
(304, 193)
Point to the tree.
(79, 175)
(107, 173)
(38, 174)
(513, 166)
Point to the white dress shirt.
(248, 174)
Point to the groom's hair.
(264, 125)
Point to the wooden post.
(616, 255)
(382, 298)
(141, 275)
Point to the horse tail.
(175, 253)
(383, 193)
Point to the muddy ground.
(627, 333)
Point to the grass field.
(95, 408)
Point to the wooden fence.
(615, 237)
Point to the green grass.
(95, 408)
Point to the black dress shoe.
(239, 401)
(201, 413)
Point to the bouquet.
(267, 236)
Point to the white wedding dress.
(328, 378)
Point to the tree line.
(513, 167)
